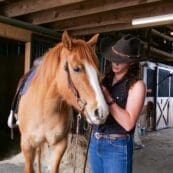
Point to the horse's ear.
(67, 40)
(92, 42)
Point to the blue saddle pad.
(27, 82)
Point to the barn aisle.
(155, 157)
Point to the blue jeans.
(111, 155)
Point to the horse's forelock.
(86, 53)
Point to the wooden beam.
(158, 54)
(95, 25)
(101, 29)
(127, 14)
(82, 9)
(107, 26)
(27, 56)
(15, 33)
(29, 6)
(155, 32)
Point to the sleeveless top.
(119, 92)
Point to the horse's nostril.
(96, 112)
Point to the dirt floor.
(155, 157)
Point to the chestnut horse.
(68, 76)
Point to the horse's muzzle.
(97, 116)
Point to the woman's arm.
(127, 117)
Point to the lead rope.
(76, 144)
(86, 158)
(76, 141)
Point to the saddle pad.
(27, 82)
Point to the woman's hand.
(106, 94)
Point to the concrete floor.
(155, 157)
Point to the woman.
(111, 147)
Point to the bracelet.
(111, 102)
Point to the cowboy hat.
(125, 50)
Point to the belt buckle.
(97, 135)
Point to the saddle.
(22, 87)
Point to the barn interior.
(28, 28)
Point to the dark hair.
(134, 74)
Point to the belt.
(108, 136)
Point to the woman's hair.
(134, 74)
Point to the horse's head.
(77, 78)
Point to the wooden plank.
(127, 14)
(82, 9)
(122, 21)
(101, 29)
(155, 32)
(112, 27)
(157, 53)
(27, 56)
(161, 55)
(29, 6)
(98, 24)
(15, 33)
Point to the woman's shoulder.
(140, 82)
(139, 85)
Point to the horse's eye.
(77, 69)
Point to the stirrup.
(10, 120)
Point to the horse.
(67, 77)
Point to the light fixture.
(153, 19)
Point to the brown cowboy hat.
(125, 50)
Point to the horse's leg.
(29, 155)
(59, 150)
(39, 159)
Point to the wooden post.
(27, 56)
(14, 33)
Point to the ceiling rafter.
(83, 9)
(24, 7)
(116, 18)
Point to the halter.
(82, 103)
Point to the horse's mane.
(47, 69)
(46, 72)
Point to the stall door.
(163, 99)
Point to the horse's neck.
(55, 101)
(43, 90)
(45, 87)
